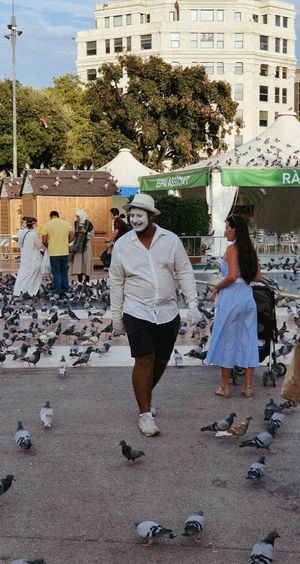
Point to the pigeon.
(221, 425)
(22, 437)
(237, 430)
(5, 483)
(288, 406)
(33, 358)
(150, 530)
(22, 561)
(262, 552)
(269, 409)
(84, 357)
(194, 525)
(129, 452)
(74, 349)
(20, 352)
(46, 415)
(178, 358)
(62, 369)
(257, 470)
(261, 440)
(277, 418)
(183, 329)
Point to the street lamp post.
(12, 35)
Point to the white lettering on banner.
(290, 178)
(172, 182)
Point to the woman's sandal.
(247, 391)
(223, 391)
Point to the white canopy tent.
(127, 170)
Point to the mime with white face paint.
(146, 263)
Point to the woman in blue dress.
(234, 340)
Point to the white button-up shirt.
(143, 282)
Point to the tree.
(164, 113)
(184, 216)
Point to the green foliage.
(183, 216)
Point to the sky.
(47, 48)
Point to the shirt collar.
(158, 232)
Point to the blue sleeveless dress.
(234, 340)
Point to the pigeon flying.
(129, 452)
(262, 552)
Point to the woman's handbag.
(105, 257)
(291, 385)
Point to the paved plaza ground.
(76, 499)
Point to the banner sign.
(174, 181)
(260, 177)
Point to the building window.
(264, 42)
(277, 21)
(277, 72)
(206, 40)
(237, 16)
(172, 17)
(284, 72)
(118, 45)
(284, 21)
(91, 74)
(220, 15)
(128, 43)
(238, 92)
(146, 41)
(142, 17)
(263, 93)
(255, 18)
(148, 18)
(276, 115)
(175, 40)
(265, 19)
(277, 95)
(277, 44)
(106, 22)
(117, 21)
(107, 46)
(209, 68)
(264, 70)
(238, 40)
(284, 46)
(193, 15)
(128, 19)
(284, 96)
(220, 68)
(238, 141)
(91, 48)
(206, 15)
(263, 118)
(194, 40)
(238, 68)
(220, 40)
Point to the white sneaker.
(147, 425)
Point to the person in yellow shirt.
(56, 236)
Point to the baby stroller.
(267, 333)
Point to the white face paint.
(138, 219)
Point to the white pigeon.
(194, 525)
(22, 437)
(46, 415)
(149, 530)
(178, 358)
(62, 369)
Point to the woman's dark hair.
(247, 256)
(30, 221)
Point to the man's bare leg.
(158, 370)
(142, 381)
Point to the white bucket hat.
(144, 202)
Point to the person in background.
(56, 236)
(81, 256)
(234, 340)
(146, 264)
(29, 276)
(120, 226)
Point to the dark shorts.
(145, 337)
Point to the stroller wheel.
(276, 370)
(283, 368)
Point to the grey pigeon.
(261, 440)
(277, 418)
(194, 525)
(84, 357)
(22, 437)
(129, 452)
(46, 415)
(5, 483)
(262, 552)
(269, 409)
(178, 358)
(288, 406)
(33, 358)
(221, 425)
(150, 530)
(257, 470)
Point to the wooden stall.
(10, 205)
(67, 191)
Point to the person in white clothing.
(146, 263)
(29, 276)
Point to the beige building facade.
(249, 43)
(297, 93)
